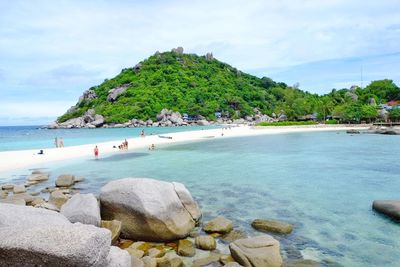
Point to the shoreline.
(13, 160)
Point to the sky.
(51, 51)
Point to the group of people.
(59, 142)
(124, 145)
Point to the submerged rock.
(261, 251)
(57, 198)
(82, 208)
(272, 226)
(38, 176)
(390, 208)
(19, 189)
(149, 209)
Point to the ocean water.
(324, 183)
(32, 137)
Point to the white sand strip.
(11, 160)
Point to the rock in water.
(205, 242)
(218, 225)
(149, 209)
(272, 226)
(19, 189)
(38, 176)
(82, 208)
(55, 245)
(65, 180)
(57, 198)
(118, 258)
(390, 208)
(261, 251)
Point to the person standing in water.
(96, 152)
(142, 133)
(61, 142)
(56, 142)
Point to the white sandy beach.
(11, 160)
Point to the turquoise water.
(323, 183)
(32, 137)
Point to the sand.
(12, 160)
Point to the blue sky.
(51, 51)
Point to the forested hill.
(202, 85)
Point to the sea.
(323, 183)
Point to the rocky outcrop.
(261, 251)
(82, 208)
(118, 258)
(390, 208)
(114, 93)
(87, 96)
(149, 209)
(272, 226)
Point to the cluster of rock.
(88, 120)
(384, 130)
(134, 222)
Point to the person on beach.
(96, 152)
(126, 144)
(56, 142)
(61, 142)
(142, 133)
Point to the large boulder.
(261, 251)
(54, 245)
(73, 123)
(82, 208)
(149, 209)
(390, 208)
(98, 120)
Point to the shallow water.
(32, 137)
(323, 183)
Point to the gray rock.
(47, 206)
(73, 123)
(261, 251)
(7, 186)
(98, 120)
(390, 208)
(171, 262)
(149, 209)
(21, 216)
(136, 262)
(113, 94)
(3, 194)
(118, 258)
(19, 189)
(186, 248)
(234, 235)
(272, 226)
(149, 261)
(202, 123)
(25, 196)
(218, 225)
(55, 245)
(65, 180)
(187, 200)
(87, 95)
(82, 208)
